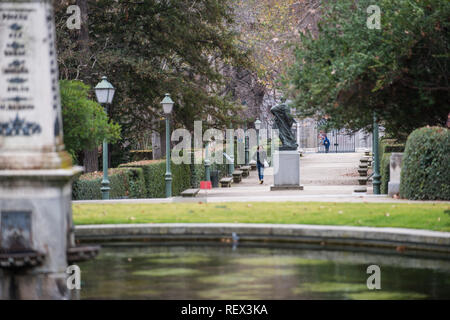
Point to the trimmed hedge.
(181, 175)
(154, 176)
(389, 146)
(137, 189)
(426, 165)
(124, 183)
(143, 179)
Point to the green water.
(223, 272)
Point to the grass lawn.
(404, 215)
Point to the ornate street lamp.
(167, 104)
(104, 92)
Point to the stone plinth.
(36, 229)
(36, 216)
(286, 171)
(395, 173)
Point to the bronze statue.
(284, 122)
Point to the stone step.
(360, 190)
(237, 176)
(226, 182)
(190, 193)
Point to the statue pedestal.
(36, 231)
(286, 171)
(395, 174)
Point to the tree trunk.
(156, 146)
(90, 161)
(83, 36)
(90, 156)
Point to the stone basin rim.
(415, 239)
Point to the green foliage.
(124, 183)
(151, 47)
(154, 172)
(387, 145)
(85, 122)
(426, 165)
(349, 71)
(197, 174)
(181, 174)
(383, 142)
(394, 148)
(136, 182)
(154, 176)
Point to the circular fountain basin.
(194, 270)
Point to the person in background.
(326, 143)
(261, 158)
(321, 137)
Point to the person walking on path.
(261, 159)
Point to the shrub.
(181, 178)
(387, 145)
(197, 174)
(124, 183)
(154, 175)
(137, 189)
(143, 179)
(383, 143)
(394, 148)
(85, 122)
(154, 171)
(426, 165)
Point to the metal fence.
(340, 141)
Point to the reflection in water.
(221, 272)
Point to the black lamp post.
(167, 104)
(104, 92)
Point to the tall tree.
(90, 159)
(348, 71)
(269, 28)
(150, 47)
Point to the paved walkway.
(332, 169)
(332, 177)
(325, 177)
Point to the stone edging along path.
(314, 234)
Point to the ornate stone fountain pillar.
(36, 230)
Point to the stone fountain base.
(36, 232)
